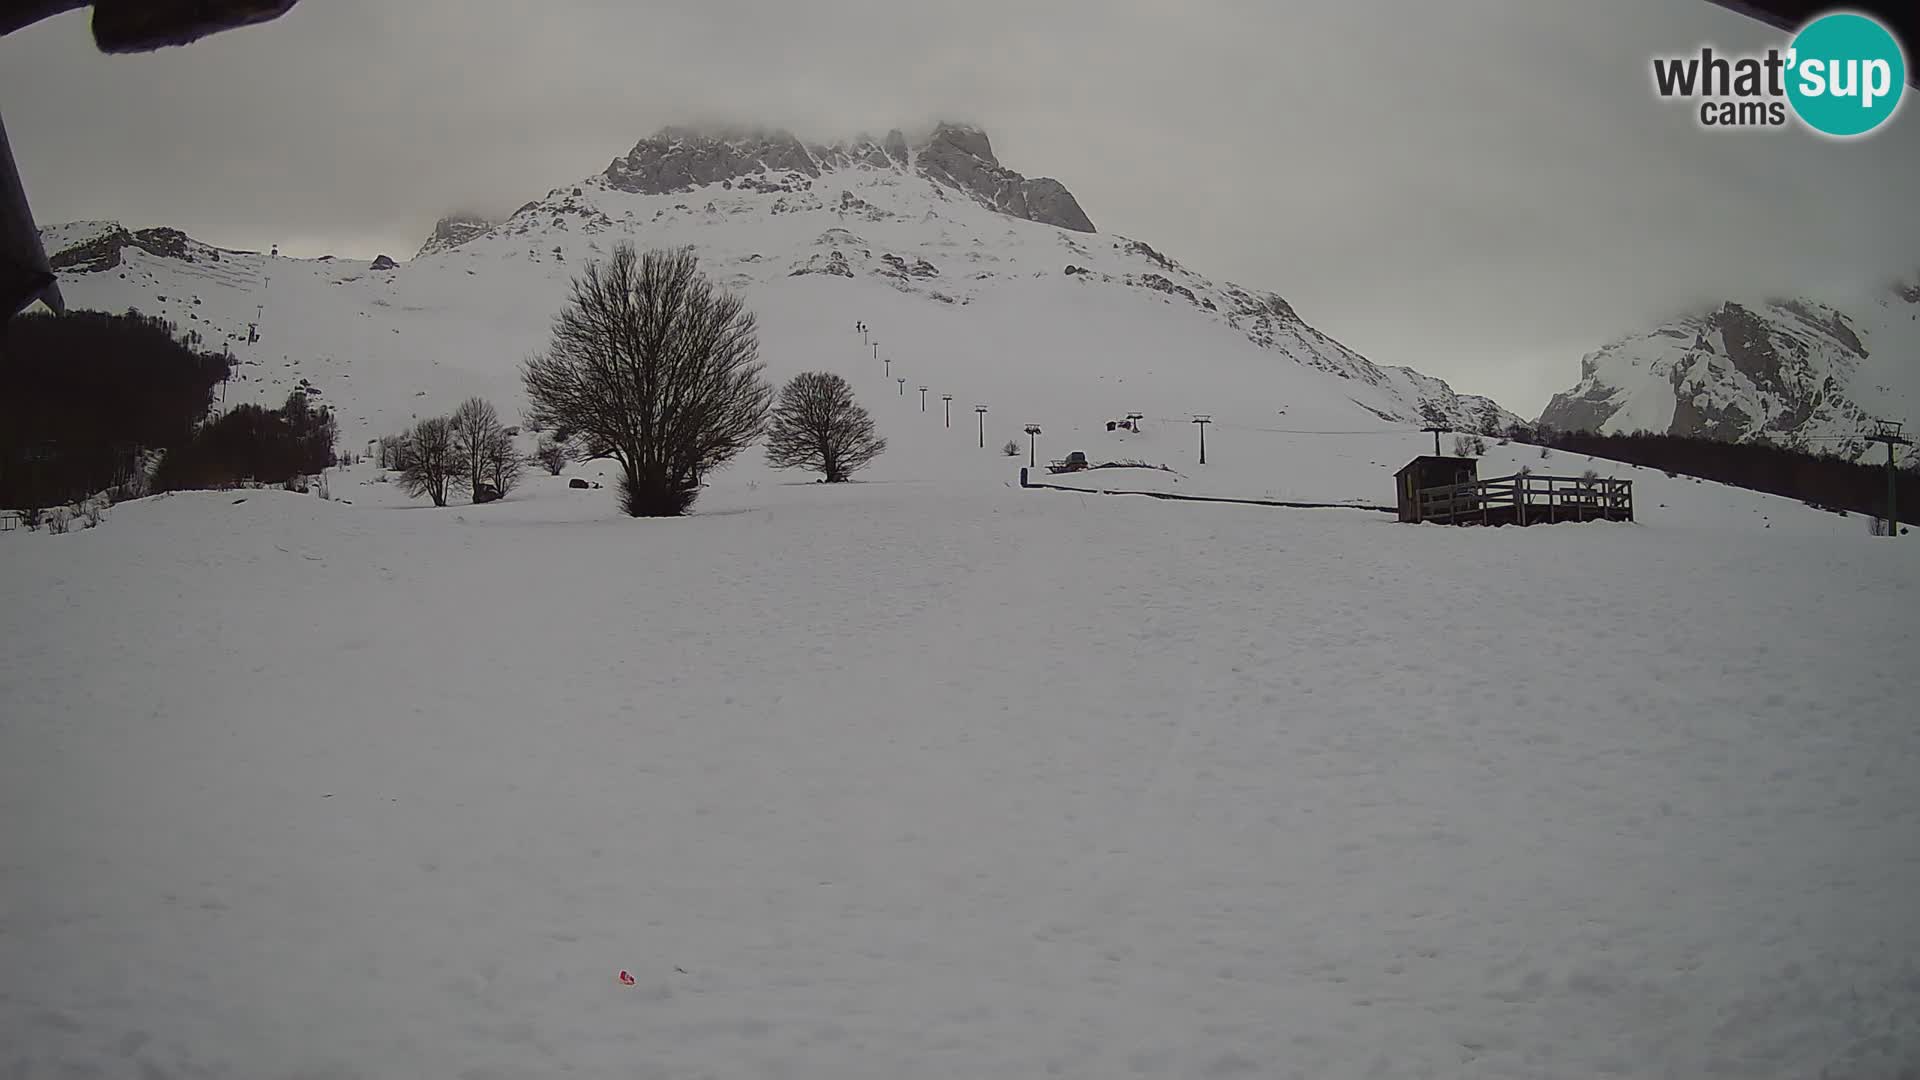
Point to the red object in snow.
(626, 979)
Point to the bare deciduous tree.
(654, 367)
(551, 454)
(433, 466)
(476, 434)
(818, 426)
(504, 464)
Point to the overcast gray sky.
(1482, 189)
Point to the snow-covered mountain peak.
(1791, 370)
(933, 237)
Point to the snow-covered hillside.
(1796, 372)
(932, 243)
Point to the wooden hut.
(1430, 471)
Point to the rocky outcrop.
(102, 252)
(381, 262)
(896, 267)
(833, 263)
(962, 157)
(895, 146)
(452, 231)
(1141, 247)
(1585, 409)
(1793, 372)
(680, 159)
(1161, 284)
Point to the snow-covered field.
(905, 779)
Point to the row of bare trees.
(469, 451)
(652, 366)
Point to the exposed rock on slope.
(452, 231)
(963, 157)
(1789, 371)
(679, 159)
(102, 251)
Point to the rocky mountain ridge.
(452, 231)
(1792, 371)
(677, 160)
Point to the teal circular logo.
(1845, 74)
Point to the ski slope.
(892, 780)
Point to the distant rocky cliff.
(452, 231)
(1790, 371)
(680, 159)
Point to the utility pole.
(982, 410)
(902, 380)
(876, 350)
(1033, 435)
(1436, 429)
(1133, 419)
(862, 327)
(948, 398)
(1888, 431)
(1203, 419)
(888, 370)
(923, 399)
